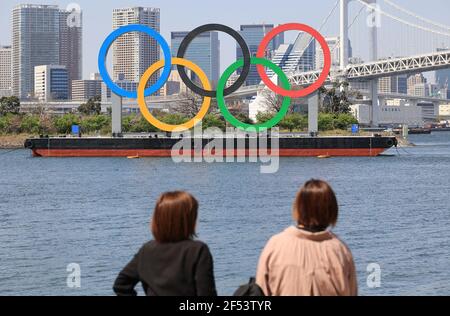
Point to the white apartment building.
(51, 82)
(5, 71)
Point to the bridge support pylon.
(116, 115)
(343, 34)
(313, 114)
(373, 24)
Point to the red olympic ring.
(326, 52)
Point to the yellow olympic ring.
(153, 120)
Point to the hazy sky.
(184, 15)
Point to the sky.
(183, 15)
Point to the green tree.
(9, 105)
(4, 124)
(213, 120)
(294, 121)
(174, 118)
(94, 123)
(137, 124)
(344, 121)
(63, 124)
(92, 107)
(326, 122)
(30, 124)
(144, 126)
(127, 122)
(14, 122)
(244, 118)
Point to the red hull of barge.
(335, 152)
(206, 147)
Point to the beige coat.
(299, 263)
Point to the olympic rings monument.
(222, 91)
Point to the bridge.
(375, 69)
(364, 71)
(380, 68)
(358, 72)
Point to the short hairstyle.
(175, 217)
(316, 205)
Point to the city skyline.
(204, 51)
(174, 17)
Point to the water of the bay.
(394, 211)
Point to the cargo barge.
(154, 146)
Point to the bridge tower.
(373, 24)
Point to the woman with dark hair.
(308, 259)
(173, 264)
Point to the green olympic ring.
(253, 127)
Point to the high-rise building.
(417, 86)
(204, 51)
(416, 79)
(395, 84)
(35, 34)
(122, 83)
(300, 56)
(419, 90)
(444, 93)
(253, 35)
(51, 82)
(333, 44)
(443, 75)
(175, 85)
(134, 52)
(83, 90)
(434, 90)
(386, 85)
(5, 71)
(70, 45)
(402, 84)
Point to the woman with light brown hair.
(174, 264)
(308, 259)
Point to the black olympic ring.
(221, 28)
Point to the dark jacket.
(169, 269)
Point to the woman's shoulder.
(279, 238)
(293, 234)
(341, 244)
(185, 244)
(196, 244)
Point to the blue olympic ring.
(104, 52)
